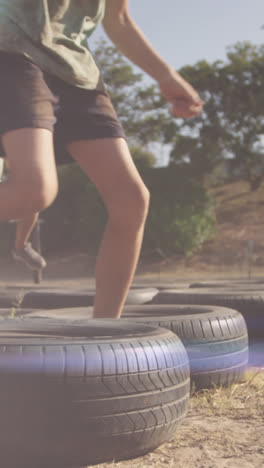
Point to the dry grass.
(239, 215)
(224, 429)
(17, 303)
(245, 399)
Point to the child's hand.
(186, 102)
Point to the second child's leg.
(32, 184)
(24, 229)
(24, 226)
(23, 250)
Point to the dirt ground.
(224, 428)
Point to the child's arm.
(130, 40)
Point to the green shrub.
(181, 213)
(7, 237)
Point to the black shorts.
(31, 98)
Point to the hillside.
(239, 229)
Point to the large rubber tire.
(250, 305)
(215, 339)
(73, 393)
(68, 313)
(53, 298)
(236, 287)
(50, 299)
(228, 284)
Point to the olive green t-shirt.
(53, 34)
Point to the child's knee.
(131, 209)
(36, 195)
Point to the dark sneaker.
(30, 257)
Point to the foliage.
(7, 238)
(181, 213)
(231, 127)
(245, 80)
(229, 132)
(142, 157)
(198, 142)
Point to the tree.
(231, 127)
(143, 158)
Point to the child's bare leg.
(109, 165)
(24, 229)
(32, 184)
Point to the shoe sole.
(22, 260)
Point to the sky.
(184, 32)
